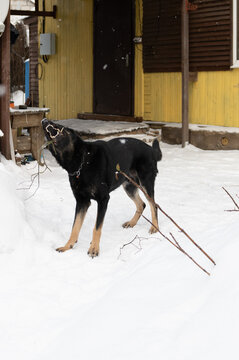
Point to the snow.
(98, 127)
(151, 302)
(198, 127)
(1, 133)
(29, 110)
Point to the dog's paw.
(63, 249)
(93, 251)
(128, 224)
(153, 230)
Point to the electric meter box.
(47, 44)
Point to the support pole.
(5, 81)
(185, 72)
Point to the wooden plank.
(26, 120)
(106, 117)
(23, 144)
(14, 138)
(35, 13)
(5, 81)
(37, 140)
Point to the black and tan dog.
(91, 167)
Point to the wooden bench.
(30, 119)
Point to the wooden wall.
(213, 99)
(67, 80)
(66, 86)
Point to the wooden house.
(125, 58)
(101, 67)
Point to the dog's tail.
(156, 150)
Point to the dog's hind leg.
(95, 243)
(79, 219)
(147, 182)
(133, 193)
(154, 214)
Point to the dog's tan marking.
(139, 210)
(75, 232)
(95, 243)
(153, 209)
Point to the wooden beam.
(35, 12)
(36, 5)
(5, 81)
(185, 72)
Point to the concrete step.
(205, 137)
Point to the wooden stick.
(235, 203)
(169, 217)
(176, 245)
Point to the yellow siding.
(66, 86)
(67, 83)
(162, 97)
(213, 99)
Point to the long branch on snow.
(235, 203)
(170, 218)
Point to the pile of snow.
(147, 303)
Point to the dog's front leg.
(102, 207)
(80, 212)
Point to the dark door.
(113, 57)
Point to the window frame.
(235, 44)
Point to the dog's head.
(53, 132)
(61, 140)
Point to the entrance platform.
(98, 129)
(205, 137)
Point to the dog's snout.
(44, 121)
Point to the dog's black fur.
(91, 167)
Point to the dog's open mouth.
(51, 131)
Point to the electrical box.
(47, 44)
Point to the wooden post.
(5, 81)
(185, 72)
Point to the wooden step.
(106, 117)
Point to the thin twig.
(235, 203)
(131, 243)
(37, 175)
(176, 245)
(169, 217)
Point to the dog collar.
(77, 172)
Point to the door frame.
(132, 63)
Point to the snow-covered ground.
(152, 303)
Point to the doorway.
(113, 57)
